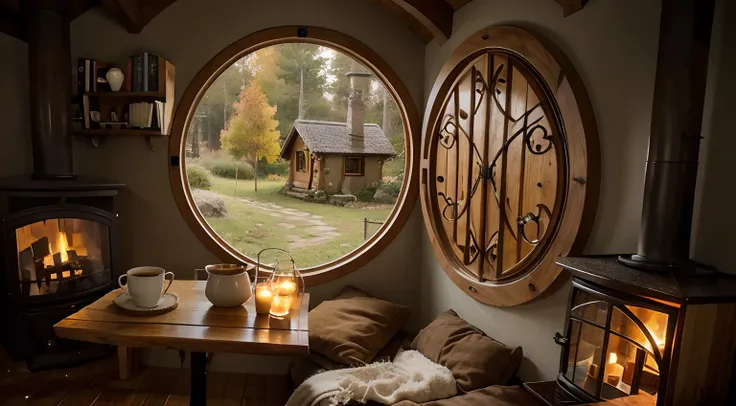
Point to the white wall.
(613, 45)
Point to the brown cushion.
(353, 328)
(476, 360)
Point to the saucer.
(167, 303)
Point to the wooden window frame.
(577, 197)
(362, 166)
(303, 154)
(184, 115)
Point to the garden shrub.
(198, 177)
(226, 168)
(365, 195)
(280, 167)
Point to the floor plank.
(97, 384)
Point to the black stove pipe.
(49, 66)
(674, 143)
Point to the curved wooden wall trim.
(510, 165)
(315, 35)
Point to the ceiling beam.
(430, 19)
(572, 6)
(134, 15)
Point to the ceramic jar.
(228, 285)
(115, 78)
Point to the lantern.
(282, 290)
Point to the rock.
(340, 200)
(210, 204)
(383, 197)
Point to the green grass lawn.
(250, 227)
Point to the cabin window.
(301, 161)
(236, 127)
(354, 166)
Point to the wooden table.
(195, 326)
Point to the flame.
(612, 358)
(63, 246)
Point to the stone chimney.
(359, 82)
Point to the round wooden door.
(507, 179)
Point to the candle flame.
(612, 358)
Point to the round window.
(297, 138)
(509, 185)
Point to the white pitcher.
(228, 285)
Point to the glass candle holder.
(264, 297)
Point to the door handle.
(560, 340)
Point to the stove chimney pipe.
(674, 144)
(49, 65)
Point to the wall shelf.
(115, 106)
(96, 134)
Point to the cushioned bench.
(355, 329)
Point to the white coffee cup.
(145, 285)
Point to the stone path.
(292, 219)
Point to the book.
(128, 75)
(152, 72)
(144, 72)
(90, 104)
(87, 68)
(160, 116)
(85, 112)
(149, 114)
(138, 73)
(81, 72)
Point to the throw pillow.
(476, 360)
(354, 327)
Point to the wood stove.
(58, 245)
(664, 339)
(655, 327)
(57, 231)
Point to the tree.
(251, 133)
(301, 68)
(217, 101)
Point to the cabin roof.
(326, 137)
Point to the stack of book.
(145, 73)
(146, 115)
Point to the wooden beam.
(430, 19)
(458, 4)
(572, 6)
(134, 15)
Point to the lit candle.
(280, 306)
(287, 288)
(615, 371)
(264, 296)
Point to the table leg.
(198, 393)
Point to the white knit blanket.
(411, 376)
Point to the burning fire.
(612, 358)
(63, 246)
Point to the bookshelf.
(112, 105)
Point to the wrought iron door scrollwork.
(533, 218)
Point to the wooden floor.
(97, 384)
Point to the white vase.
(115, 78)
